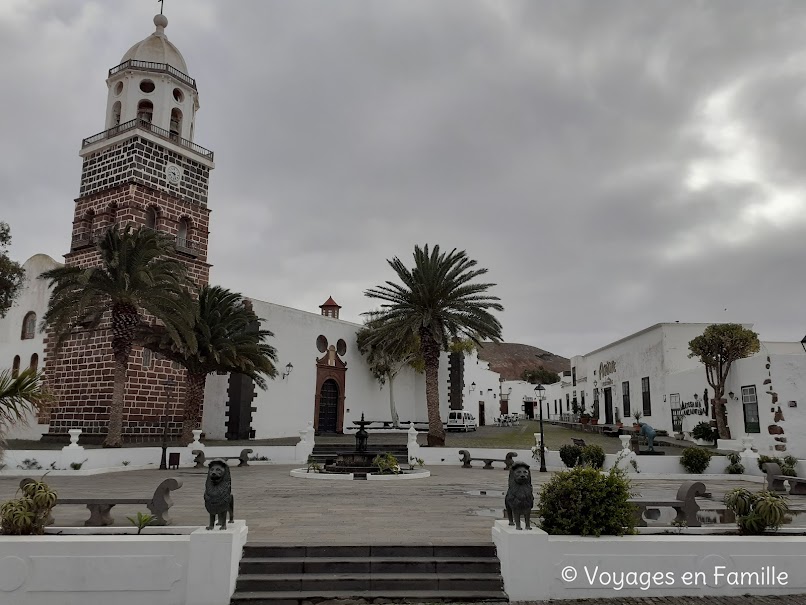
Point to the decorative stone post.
(306, 442)
(74, 435)
(749, 458)
(196, 443)
(627, 453)
(413, 446)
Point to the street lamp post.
(169, 389)
(539, 390)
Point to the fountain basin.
(302, 473)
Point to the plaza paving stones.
(283, 510)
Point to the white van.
(461, 421)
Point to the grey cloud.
(551, 140)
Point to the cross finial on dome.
(161, 21)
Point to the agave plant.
(30, 513)
(757, 512)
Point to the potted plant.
(584, 418)
(595, 415)
(637, 415)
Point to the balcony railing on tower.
(155, 67)
(149, 127)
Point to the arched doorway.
(328, 414)
(328, 407)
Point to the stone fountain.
(358, 462)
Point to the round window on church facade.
(118, 88)
(178, 95)
(147, 86)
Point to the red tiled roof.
(330, 303)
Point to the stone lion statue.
(218, 498)
(520, 498)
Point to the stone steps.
(285, 575)
(399, 596)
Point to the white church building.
(650, 372)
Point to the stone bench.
(685, 504)
(200, 458)
(488, 462)
(100, 508)
(775, 480)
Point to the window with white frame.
(752, 424)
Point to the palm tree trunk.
(124, 321)
(431, 350)
(194, 397)
(393, 411)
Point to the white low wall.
(112, 459)
(648, 466)
(194, 567)
(536, 566)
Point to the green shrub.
(584, 501)
(735, 467)
(788, 464)
(386, 463)
(695, 459)
(592, 455)
(706, 432)
(570, 455)
(755, 513)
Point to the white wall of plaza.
(482, 391)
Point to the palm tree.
(20, 395)
(228, 339)
(135, 274)
(438, 303)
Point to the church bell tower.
(144, 169)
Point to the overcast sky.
(613, 164)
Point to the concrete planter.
(536, 566)
(193, 566)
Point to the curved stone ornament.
(13, 573)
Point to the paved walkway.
(447, 508)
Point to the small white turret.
(151, 84)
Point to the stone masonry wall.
(80, 373)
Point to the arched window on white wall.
(29, 326)
(34, 365)
(15, 367)
(145, 111)
(176, 123)
(116, 114)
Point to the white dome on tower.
(157, 49)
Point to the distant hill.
(510, 359)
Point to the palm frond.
(20, 395)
